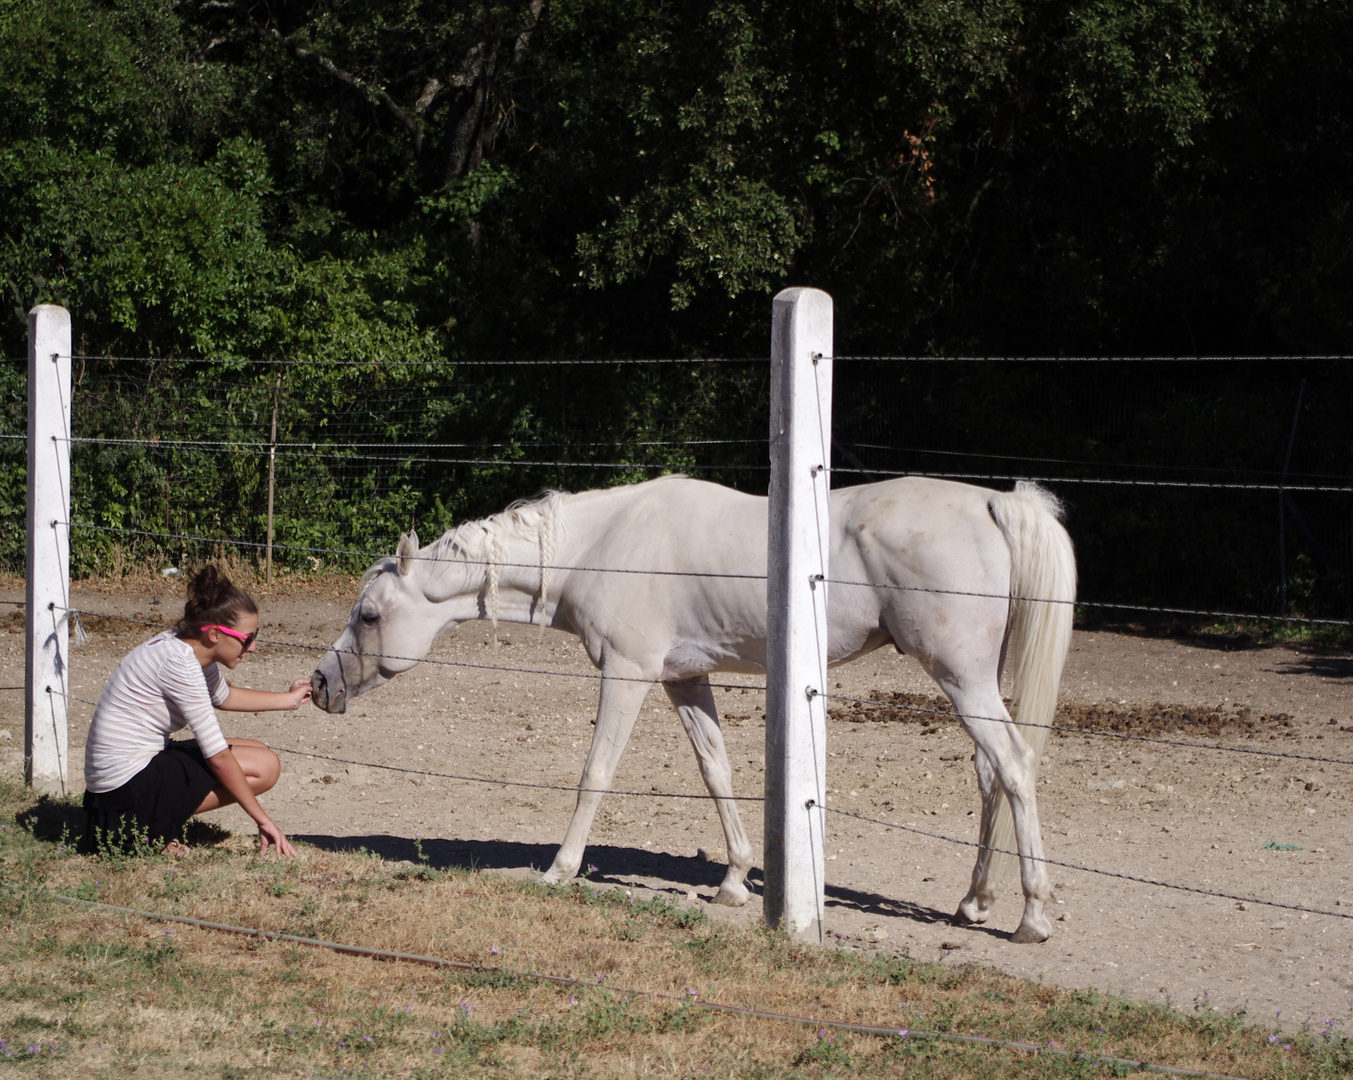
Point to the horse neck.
(512, 569)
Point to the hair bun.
(213, 598)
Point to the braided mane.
(486, 539)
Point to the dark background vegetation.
(384, 192)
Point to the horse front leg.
(694, 702)
(617, 709)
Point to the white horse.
(665, 582)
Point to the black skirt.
(153, 806)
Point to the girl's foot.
(176, 850)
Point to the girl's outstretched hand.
(300, 693)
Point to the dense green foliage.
(409, 187)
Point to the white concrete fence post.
(796, 625)
(47, 641)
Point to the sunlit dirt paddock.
(1239, 823)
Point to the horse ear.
(407, 551)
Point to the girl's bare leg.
(261, 769)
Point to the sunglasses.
(248, 639)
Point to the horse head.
(391, 627)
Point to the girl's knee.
(271, 766)
(261, 765)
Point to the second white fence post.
(796, 625)
(47, 639)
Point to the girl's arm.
(242, 699)
(226, 768)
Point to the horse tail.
(1038, 634)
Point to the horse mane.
(485, 540)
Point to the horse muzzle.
(327, 699)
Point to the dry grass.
(102, 994)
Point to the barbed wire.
(1074, 461)
(1194, 485)
(1091, 869)
(829, 809)
(397, 453)
(948, 715)
(428, 364)
(420, 558)
(373, 555)
(520, 783)
(594, 676)
(216, 444)
(1092, 359)
(834, 810)
(563, 362)
(598, 676)
(299, 451)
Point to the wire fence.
(177, 455)
(1194, 485)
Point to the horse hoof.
(1027, 935)
(727, 897)
(961, 918)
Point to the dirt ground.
(1265, 827)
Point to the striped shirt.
(159, 687)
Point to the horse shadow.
(612, 865)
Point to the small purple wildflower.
(1287, 1046)
(904, 1032)
(494, 951)
(366, 1038)
(1273, 1038)
(591, 868)
(601, 978)
(693, 993)
(572, 1000)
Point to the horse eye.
(371, 617)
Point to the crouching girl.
(142, 786)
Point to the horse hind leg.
(694, 703)
(976, 906)
(616, 712)
(1015, 774)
